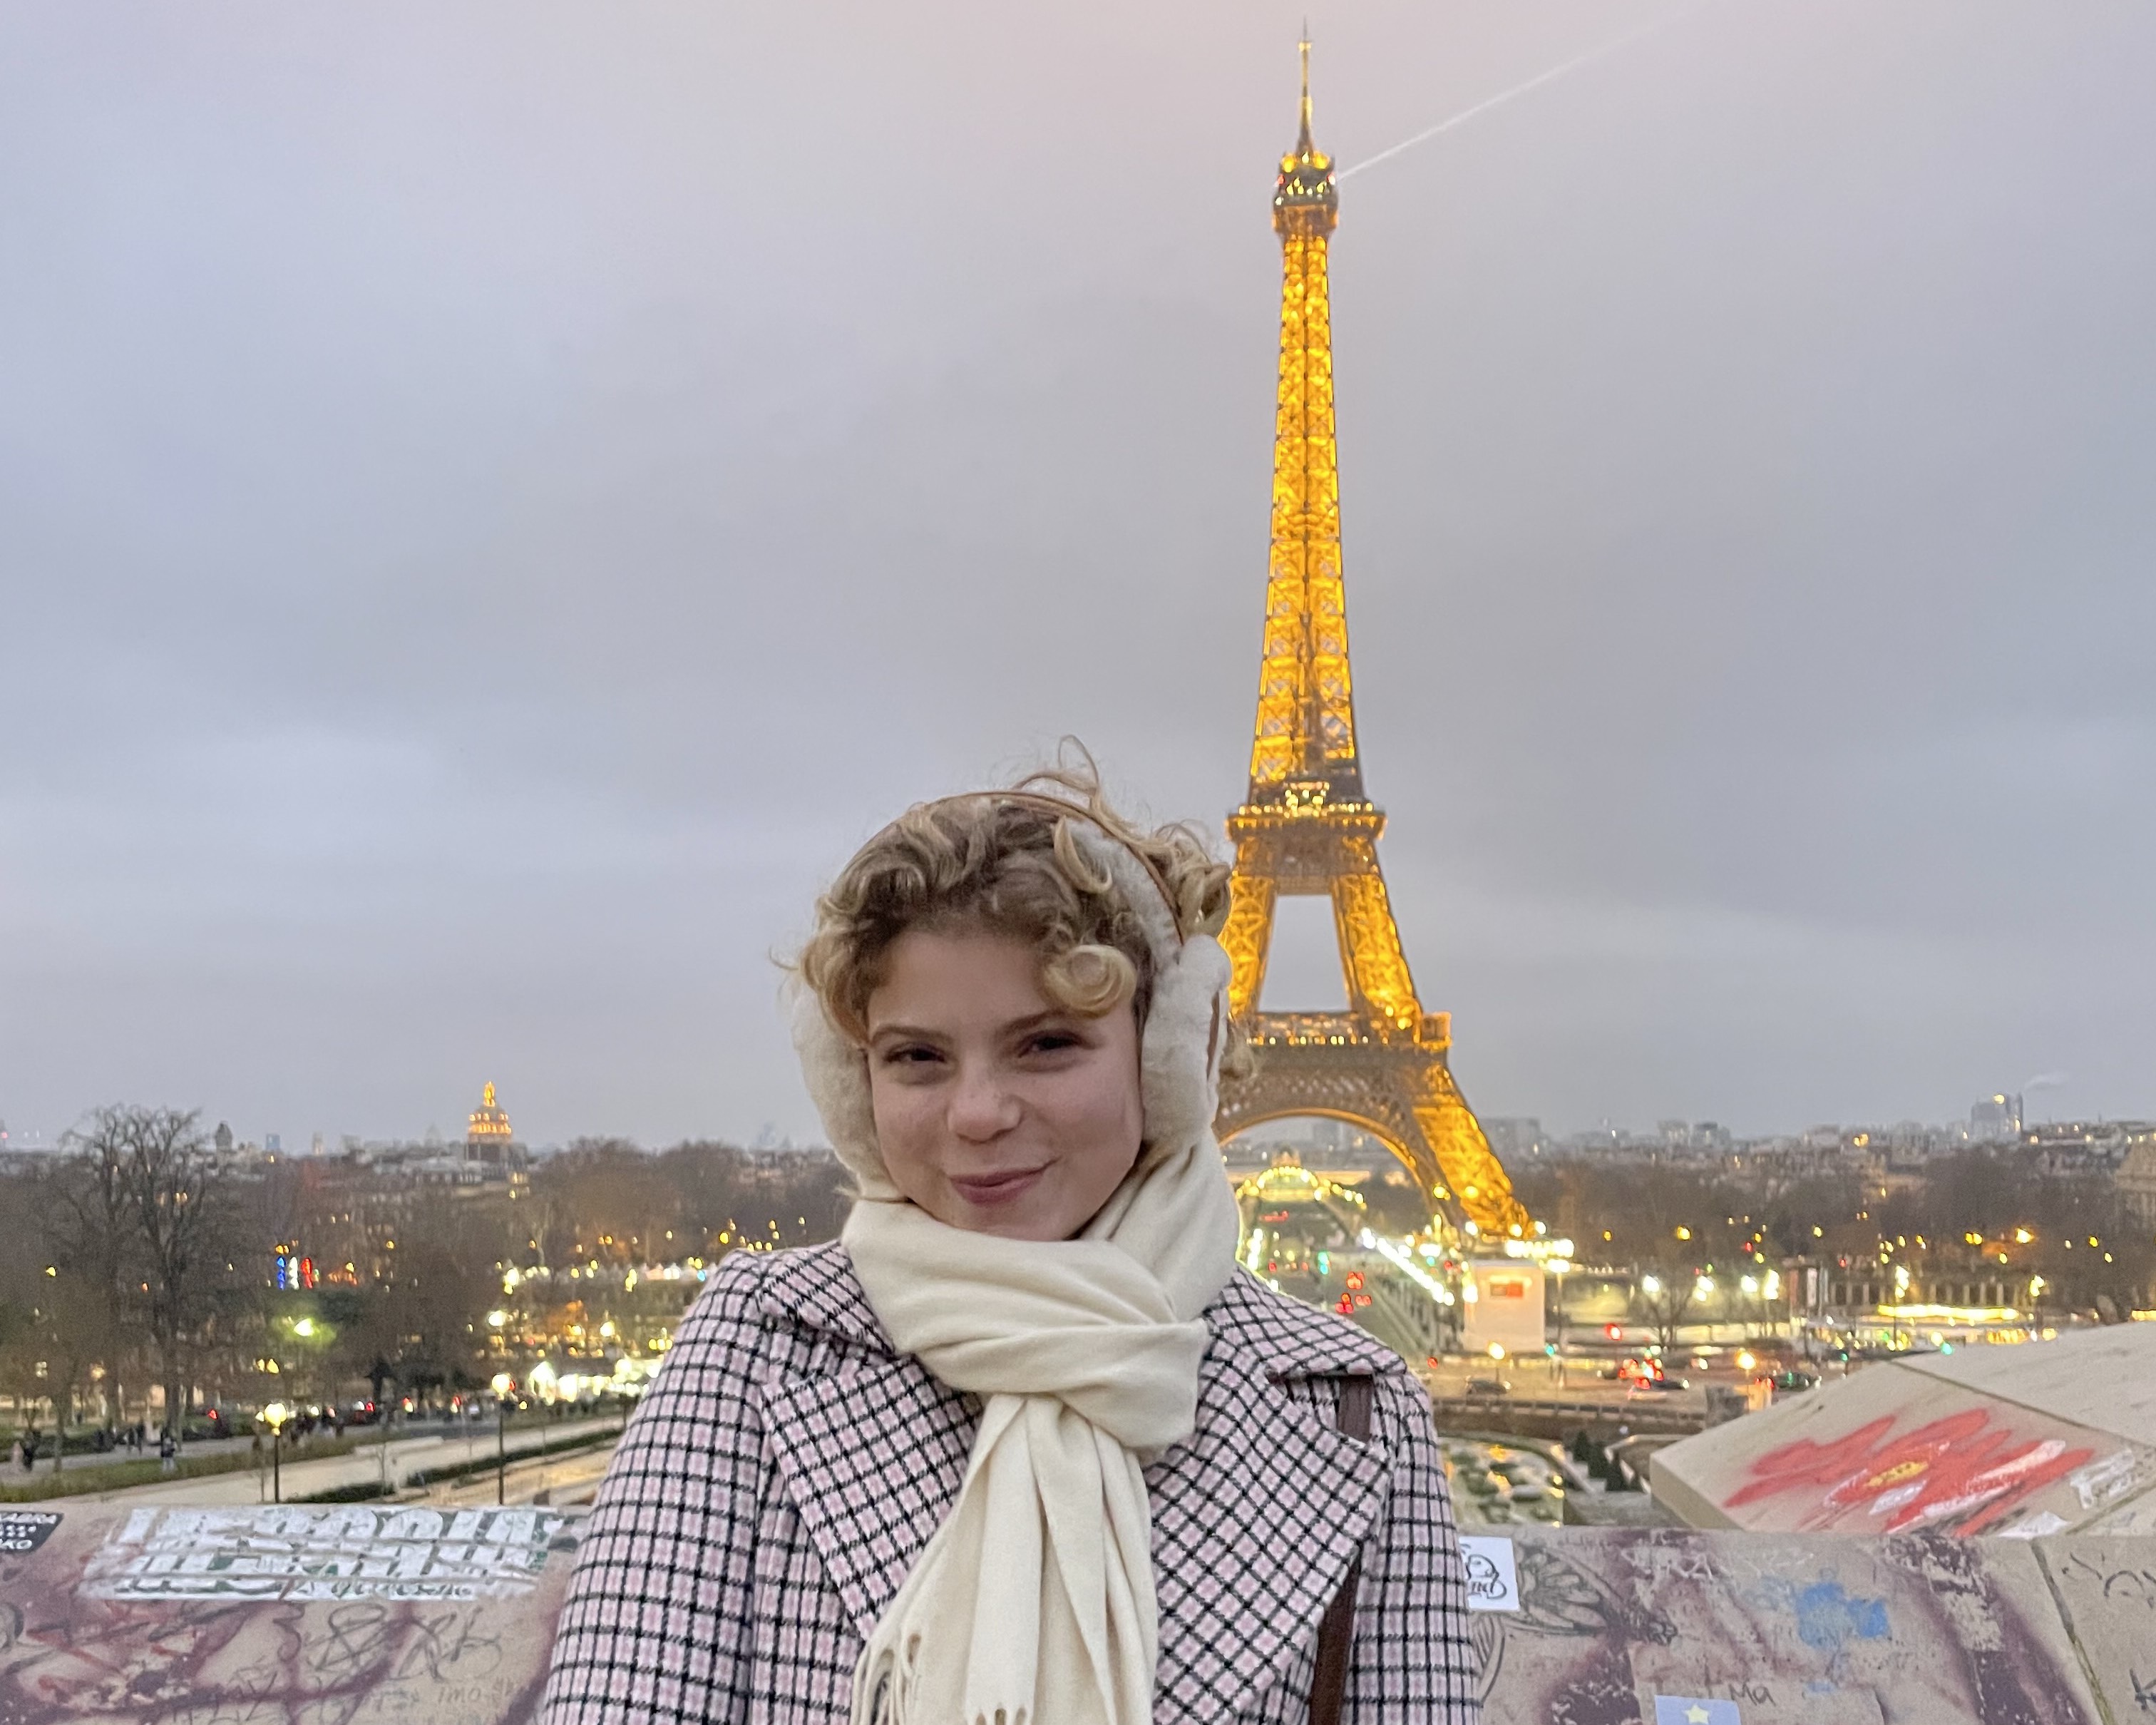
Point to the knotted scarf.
(1034, 1603)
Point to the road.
(403, 1457)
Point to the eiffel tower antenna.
(1307, 826)
(1303, 141)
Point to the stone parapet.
(322, 1615)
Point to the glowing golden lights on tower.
(1305, 726)
(1307, 826)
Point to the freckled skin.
(998, 1110)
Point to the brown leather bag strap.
(1335, 1630)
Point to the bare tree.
(75, 1320)
(179, 1196)
(88, 1211)
(1666, 1295)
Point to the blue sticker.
(1694, 1709)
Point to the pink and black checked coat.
(788, 1466)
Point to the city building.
(489, 1134)
(1514, 1138)
(2135, 1179)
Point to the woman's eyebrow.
(1033, 1021)
(878, 1032)
(1014, 1027)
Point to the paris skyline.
(468, 579)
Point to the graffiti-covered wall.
(2023, 1441)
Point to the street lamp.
(1557, 1266)
(501, 1384)
(275, 1416)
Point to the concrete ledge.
(2046, 1437)
(1529, 1417)
(1819, 1629)
(327, 1615)
(306, 1615)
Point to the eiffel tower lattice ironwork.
(1307, 826)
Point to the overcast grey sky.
(496, 500)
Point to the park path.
(303, 1478)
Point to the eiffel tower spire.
(1304, 738)
(1307, 826)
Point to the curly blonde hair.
(1006, 862)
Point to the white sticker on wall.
(1493, 1582)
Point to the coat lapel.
(1255, 1522)
(871, 1447)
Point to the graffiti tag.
(300, 1552)
(1961, 1474)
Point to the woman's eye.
(910, 1055)
(1052, 1042)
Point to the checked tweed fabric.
(787, 1467)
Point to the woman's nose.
(982, 1107)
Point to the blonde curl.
(1010, 866)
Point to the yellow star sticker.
(1695, 1715)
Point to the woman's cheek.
(899, 1110)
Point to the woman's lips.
(989, 1189)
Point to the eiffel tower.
(1307, 826)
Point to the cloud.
(490, 517)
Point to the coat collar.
(1255, 1519)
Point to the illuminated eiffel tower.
(1307, 826)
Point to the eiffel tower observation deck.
(1308, 826)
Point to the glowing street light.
(274, 1416)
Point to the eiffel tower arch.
(1307, 826)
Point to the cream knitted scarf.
(1034, 1603)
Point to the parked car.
(1488, 1386)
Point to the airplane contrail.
(1518, 89)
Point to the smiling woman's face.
(997, 1110)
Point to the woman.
(1025, 1446)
